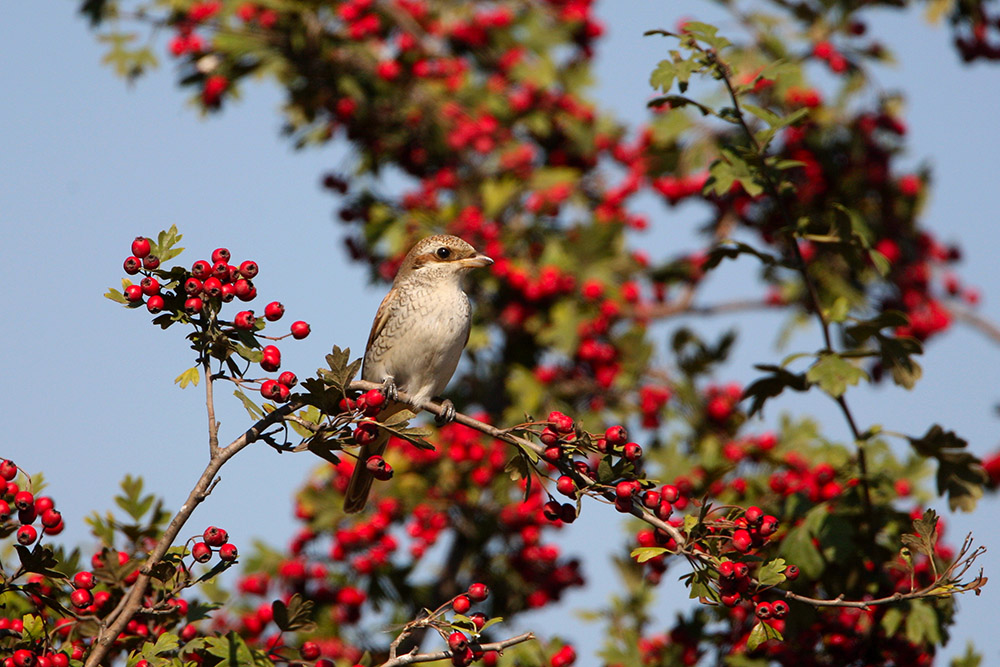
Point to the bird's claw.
(389, 389)
(447, 413)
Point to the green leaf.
(772, 573)
(132, 500)
(296, 615)
(922, 625)
(969, 659)
(764, 388)
(642, 554)
(190, 376)
(892, 620)
(960, 474)
(729, 169)
(164, 643)
(34, 627)
(233, 651)
(833, 374)
(39, 560)
(760, 634)
(679, 102)
(663, 76)
(115, 296)
(251, 407)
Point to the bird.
(416, 340)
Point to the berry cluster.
(20, 505)
(197, 295)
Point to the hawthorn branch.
(945, 585)
(803, 268)
(132, 602)
(413, 657)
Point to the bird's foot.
(389, 389)
(448, 413)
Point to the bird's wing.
(381, 317)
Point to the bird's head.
(441, 256)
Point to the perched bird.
(417, 338)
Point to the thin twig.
(411, 658)
(213, 426)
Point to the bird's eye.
(443, 253)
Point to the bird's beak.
(477, 260)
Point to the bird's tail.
(356, 495)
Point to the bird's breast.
(422, 340)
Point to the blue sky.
(88, 163)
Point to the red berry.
(560, 422)
(566, 486)
(727, 569)
(201, 552)
(461, 604)
(624, 490)
(132, 265)
(133, 293)
(244, 320)
(379, 469)
(27, 515)
(23, 658)
(731, 599)
(193, 305)
(753, 515)
(479, 620)
(457, 641)
(792, 572)
(228, 552)
(567, 513)
(249, 269)
(551, 510)
(51, 518)
(633, 452)
(26, 535)
(300, 330)
(151, 262)
(651, 499)
(478, 592)
(764, 610)
(308, 650)
(288, 379)
(245, 291)
(201, 269)
(742, 540)
(81, 598)
(213, 287)
(23, 500)
(779, 608)
(768, 526)
(270, 390)
(193, 286)
(84, 580)
(215, 537)
(741, 570)
(670, 493)
(155, 304)
(271, 360)
(273, 311)
(220, 270)
(141, 246)
(8, 470)
(616, 435)
(150, 286)
(220, 255)
(4, 510)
